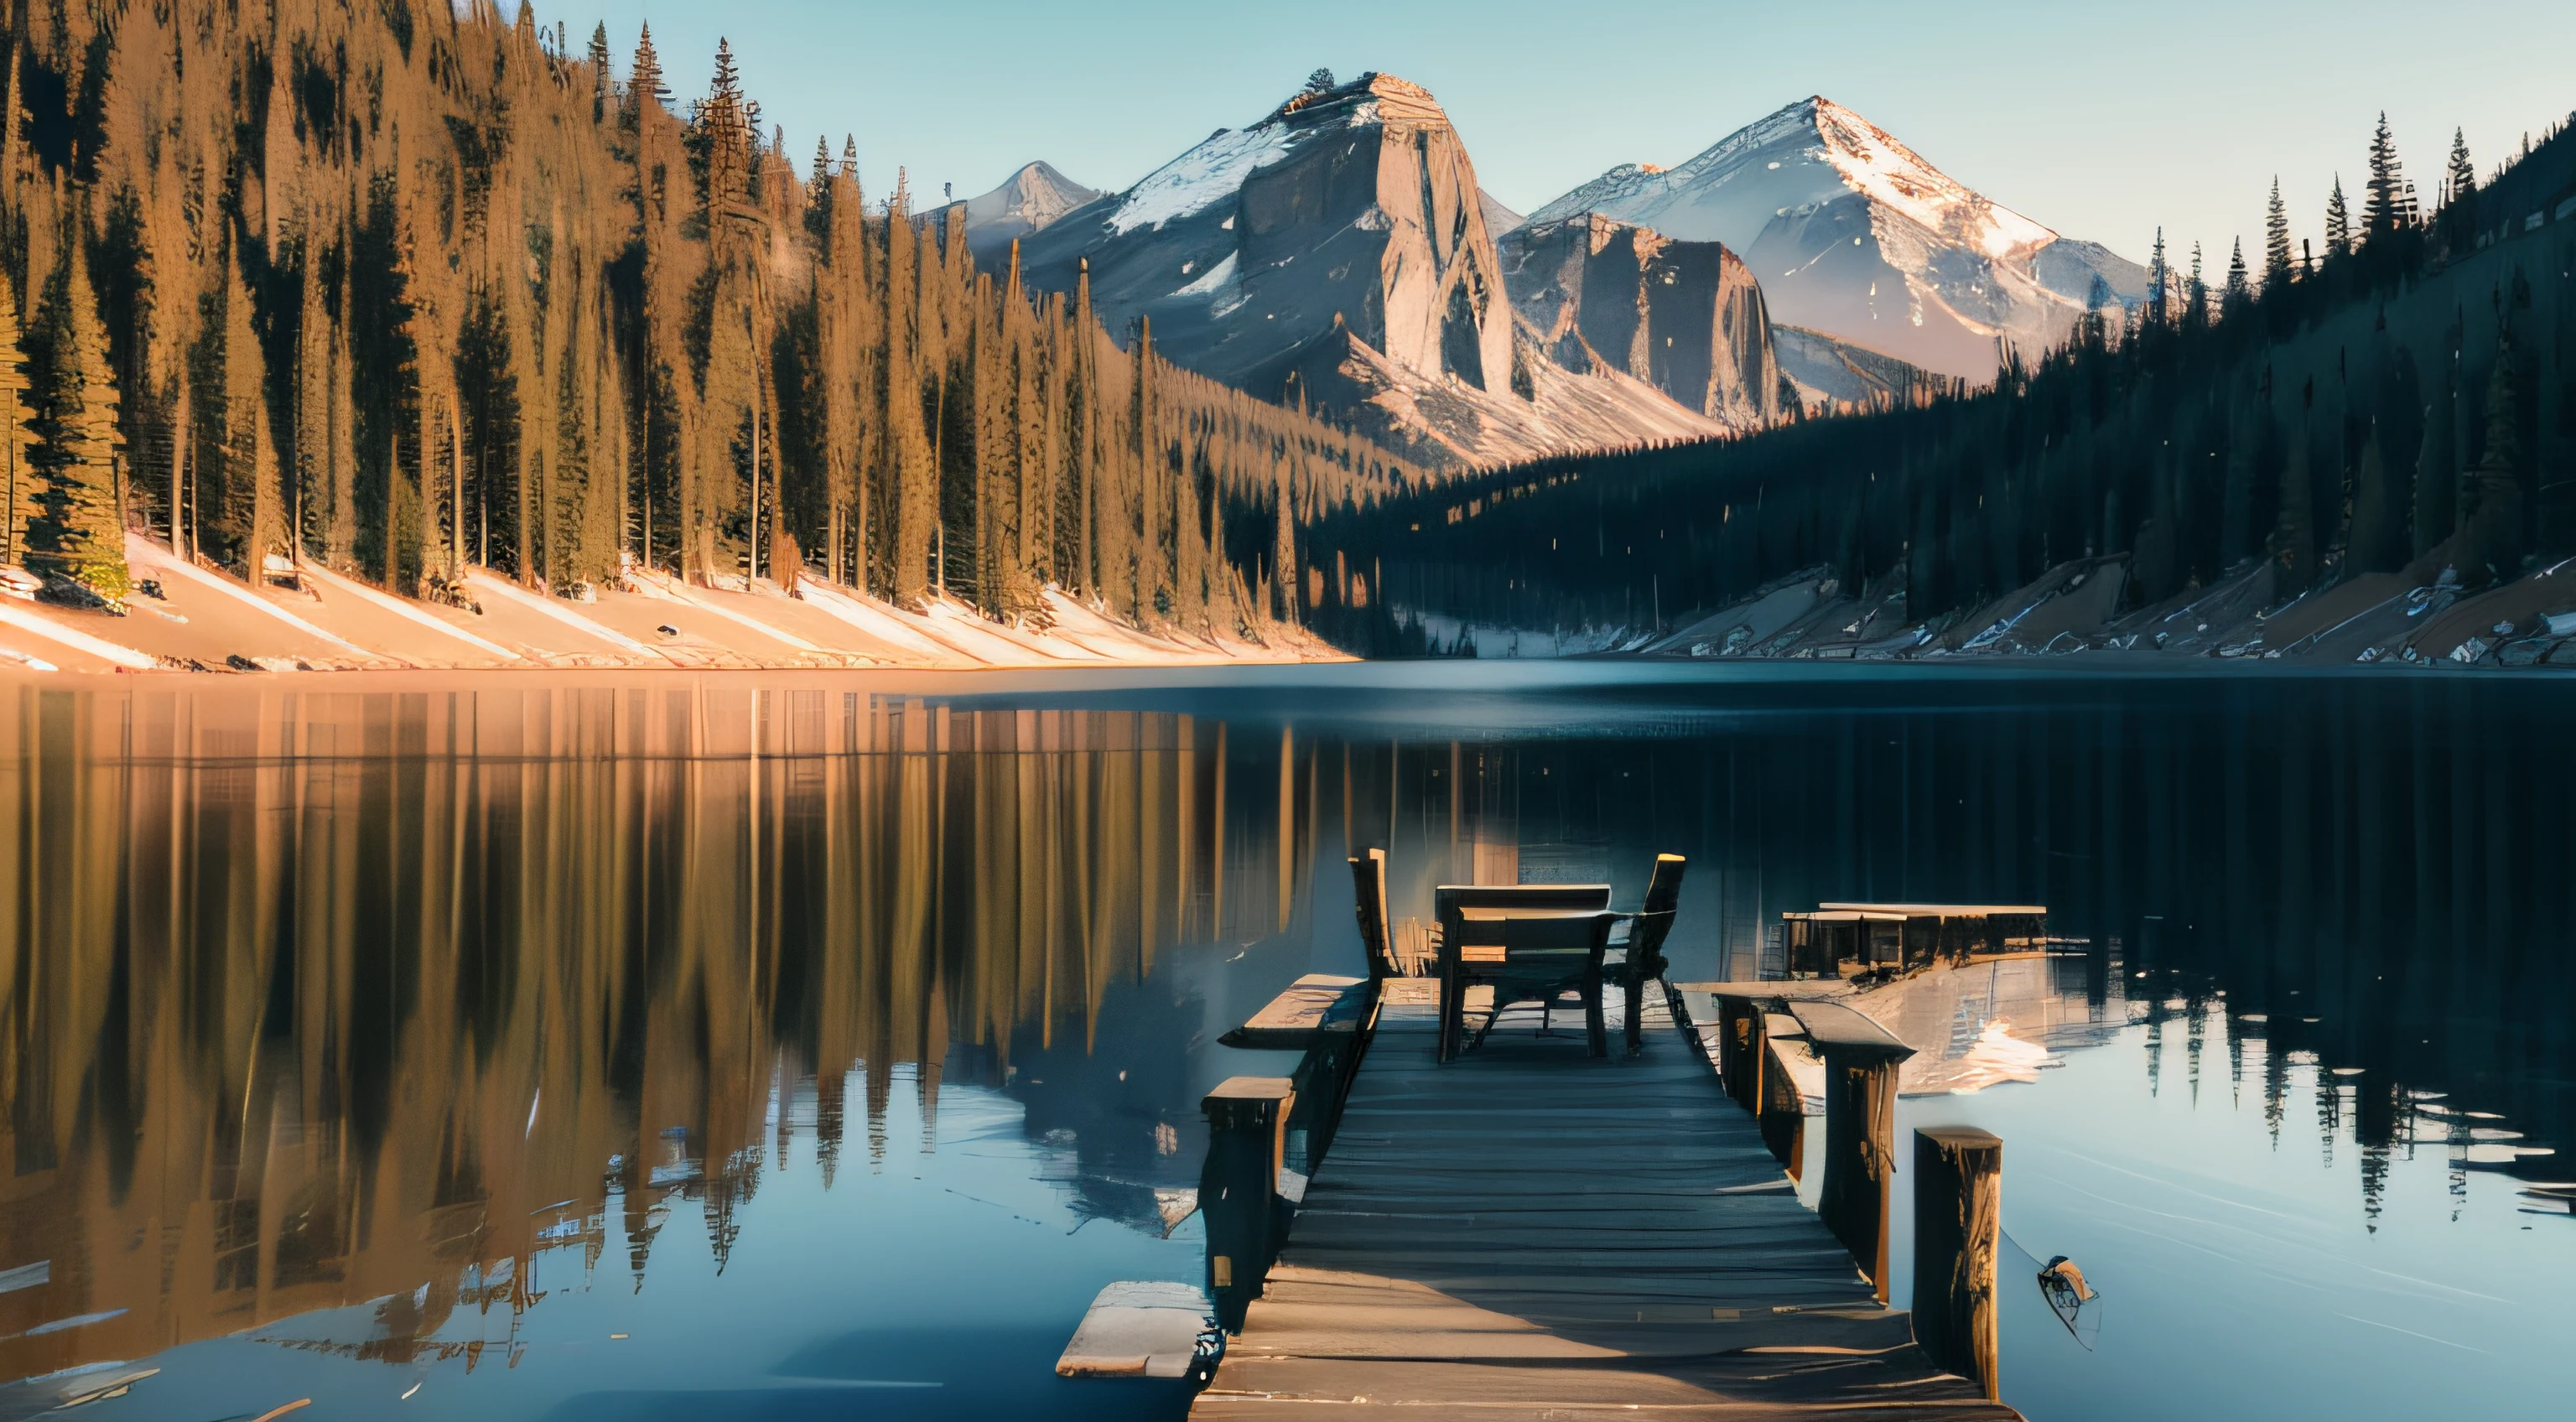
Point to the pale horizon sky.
(2101, 121)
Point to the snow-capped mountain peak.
(1854, 233)
(1337, 252)
(1214, 169)
(1026, 202)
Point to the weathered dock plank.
(1314, 1004)
(1528, 1231)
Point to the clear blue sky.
(2101, 120)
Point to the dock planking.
(1532, 1232)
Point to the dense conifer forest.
(2403, 401)
(399, 290)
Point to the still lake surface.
(800, 1048)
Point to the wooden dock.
(1531, 1233)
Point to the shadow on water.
(899, 1375)
(461, 1012)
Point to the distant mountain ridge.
(1338, 253)
(1026, 202)
(1854, 235)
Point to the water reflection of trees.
(314, 998)
(2361, 876)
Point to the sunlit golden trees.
(444, 292)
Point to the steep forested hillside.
(2404, 404)
(370, 283)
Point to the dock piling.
(1958, 1218)
(1860, 1128)
(1739, 1050)
(1247, 1120)
(1782, 1112)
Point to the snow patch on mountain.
(1214, 278)
(1207, 174)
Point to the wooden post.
(1239, 1188)
(1958, 1216)
(1860, 1148)
(1740, 1054)
(1860, 1129)
(1783, 1112)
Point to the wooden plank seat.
(1298, 1019)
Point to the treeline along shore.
(2359, 453)
(400, 292)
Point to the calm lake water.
(731, 1049)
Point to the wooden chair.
(1646, 930)
(1368, 893)
(1549, 941)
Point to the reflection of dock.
(1530, 1232)
(1993, 1018)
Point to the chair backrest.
(1450, 900)
(1368, 891)
(1523, 931)
(1447, 899)
(1664, 890)
(1655, 919)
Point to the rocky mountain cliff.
(1685, 317)
(1855, 235)
(1336, 253)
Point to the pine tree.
(80, 533)
(725, 129)
(599, 80)
(2276, 240)
(2459, 218)
(2383, 204)
(2159, 282)
(17, 436)
(2338, 222)
(2239, 288)
(644, 83)
(2490, 506)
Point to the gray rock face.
(1685, 317)
(1855, 235)
(1029, 202)
(1337, 252)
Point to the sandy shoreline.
(206, 621)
